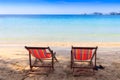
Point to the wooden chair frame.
(32, 64)
(94, 55)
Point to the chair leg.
(31, 68)
(55, 57)
(40, 60)
(71, 64)
(53, 68)
(73, 72)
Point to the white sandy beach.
(15, 64)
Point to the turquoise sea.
(59, 28)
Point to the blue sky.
(58, 6)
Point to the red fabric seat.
(82, 54)
(40, 53)
(48, 55)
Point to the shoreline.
(64, 44)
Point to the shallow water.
(59, 28)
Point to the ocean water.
(59, 28)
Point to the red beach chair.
(41, 55)
(82, 58)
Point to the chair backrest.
(83, 53)
(39, 52)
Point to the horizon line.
(61, 14)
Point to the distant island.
(100, 13)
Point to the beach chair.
(43, 57)
(83, 59)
